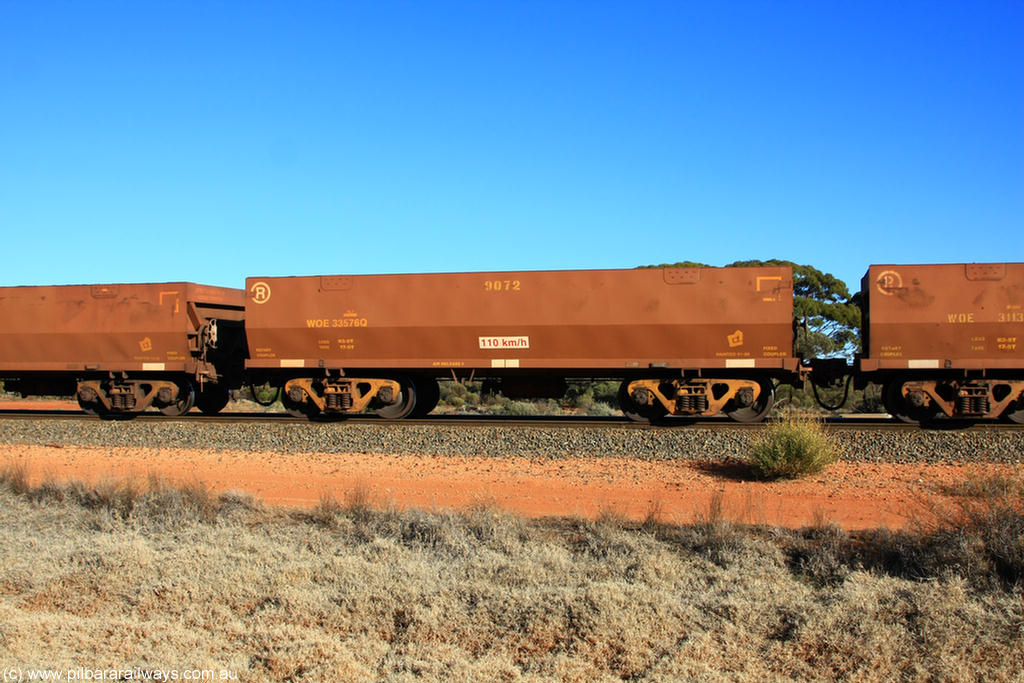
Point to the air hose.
(837, 406)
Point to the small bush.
(792, 447)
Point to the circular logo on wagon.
(889, 282)
(260, 292)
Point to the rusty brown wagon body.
(945, 339)
(124, 347)
(685, 341)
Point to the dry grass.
(14, 477)
(977, 537)
(986, 487)
(981, 534)
(157, 576)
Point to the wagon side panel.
(710, 317)
(947, 316)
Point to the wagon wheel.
(184, 402)
(1015, 412)
(760, 408)
(404, 403)
(303, 409)
(428, 393)
(212, 399)
(90, 408)
(897, 405)
(636, 412)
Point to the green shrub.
(792, 447)
(521, 408)
(264, 394)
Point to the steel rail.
(844, 423)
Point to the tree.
(679, 264)
(829, 318)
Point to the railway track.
(876, 422)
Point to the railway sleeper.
(740, 398)
(966, 399)
(341, 395)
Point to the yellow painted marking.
(772, 278)
(735, 339)
(161, 299)
(890, 351)
(260, 292)
(502, 285)
(888, 282)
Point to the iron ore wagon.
(121, 348)
(945, 339)
(682, 341)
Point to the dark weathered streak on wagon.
(124, 347)
(684, 341)
(945, 339)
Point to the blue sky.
(207, 141)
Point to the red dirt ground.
(852, 495)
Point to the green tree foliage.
(680, 264)
(829, 317)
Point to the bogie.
(334, 397)
(743, 400)
(918, 400)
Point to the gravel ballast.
(514, 440)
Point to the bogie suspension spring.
(338, 400)
(973, 403)
(122, 400)
(691, 403)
